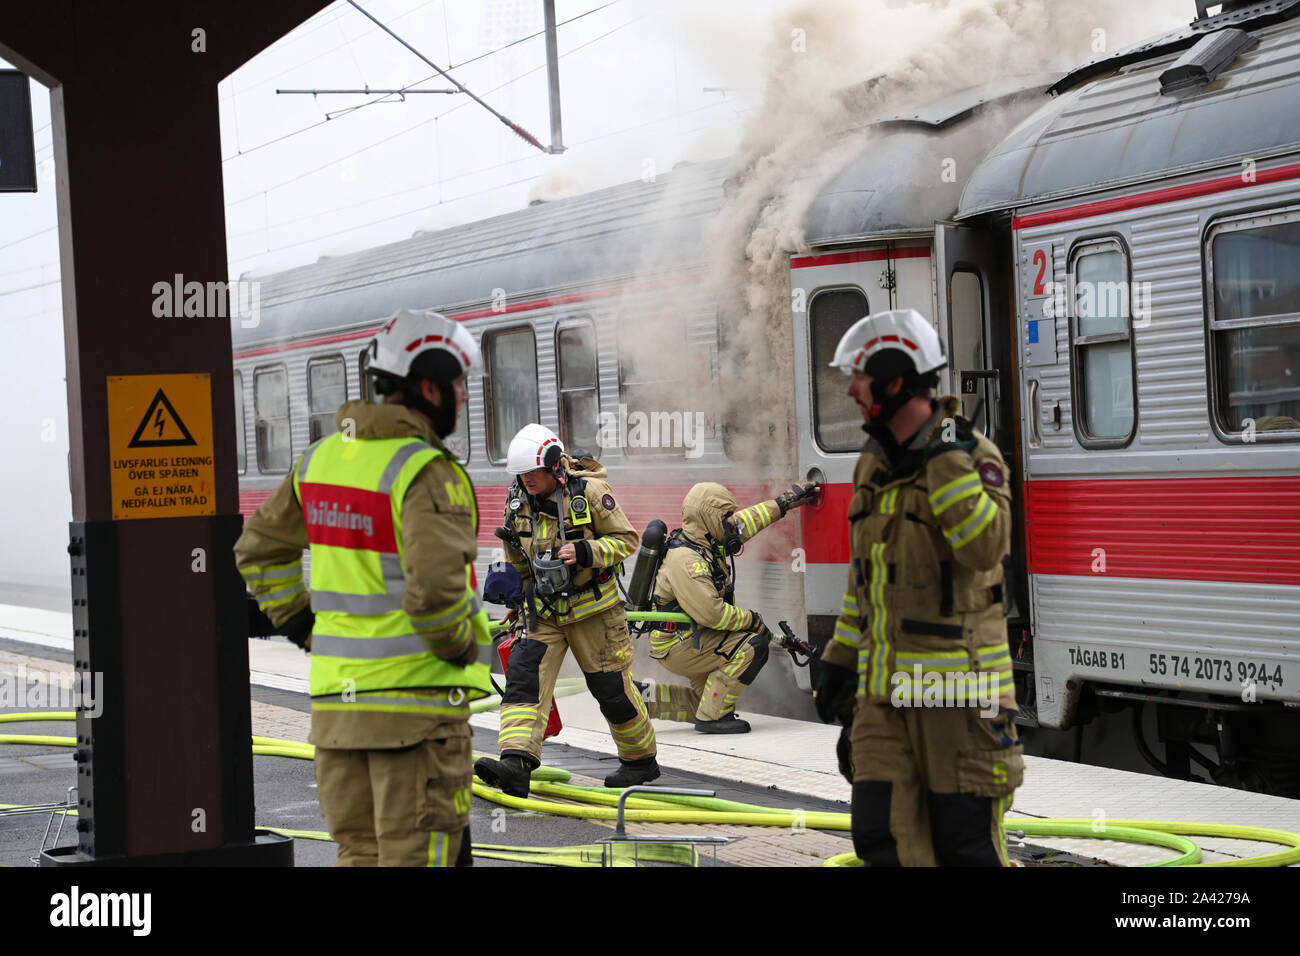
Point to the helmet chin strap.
(883, 407)
(443, 417)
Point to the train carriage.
(592, 318)
(1152, 213)
(1112, 260)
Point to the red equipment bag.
(553, 725)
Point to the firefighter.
(726, 648)
(392, 622)
(572, 600)
(929, 523)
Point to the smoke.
(819, 71)
(822, 71)
(829, 67)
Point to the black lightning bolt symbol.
(159, 422)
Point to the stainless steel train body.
(1152, 211)
(1157, 550)
(567, 298)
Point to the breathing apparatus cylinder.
(648, 559)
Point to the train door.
(972, 296)
(975, 318)
(830, 292)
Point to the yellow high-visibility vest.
(363, 642)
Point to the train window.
(241, 453)
(653, 365)
(509, 386)
(1102, 343)
(271, 408)
(838, 422)
(575, 360)
(327, 389)
(1255, 327)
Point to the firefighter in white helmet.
(566, 535)
(933, 753)
(392, 621)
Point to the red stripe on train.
(250, 501)
(527, 305)
(1178, 529)
(869, 255)
(641, 503)
(1156, 197)
(1182, 529)
(825, 527)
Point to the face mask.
(732, 542)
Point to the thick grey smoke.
(823, 70)
(826, 70)
(816, 62)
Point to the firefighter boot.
(510, 774)
(632, 772)
(728, 723)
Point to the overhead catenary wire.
(422, 123)
(446, 202)
(385, 98)
(341, 12)
(41, 232)
(367, 91)
(515, 128)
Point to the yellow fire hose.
(597, 803)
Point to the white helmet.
(535, 446)
(903, 330)
(407, 335)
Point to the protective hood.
(703, 509)
(583, 467)
(370, 420)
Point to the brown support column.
(158, 608)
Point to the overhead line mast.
(514, 127)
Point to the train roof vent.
(1210, 56)
(1203, 7)
(1240, 11)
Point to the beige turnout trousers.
(715, 670)
(602, 647)
(405, 806)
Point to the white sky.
(632, 76)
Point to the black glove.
(298, 628)
(834, 689)
(259, 625)
(844, 751)
(757, 624)
(800, 493)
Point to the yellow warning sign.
(160, 445)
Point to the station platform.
(781, 763)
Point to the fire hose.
(597, 803)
